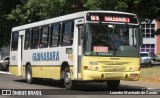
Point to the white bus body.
(51, 61)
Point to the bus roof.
(63, 18)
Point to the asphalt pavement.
(55, 89)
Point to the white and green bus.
(93, 46)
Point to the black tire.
(68, 83)
(29, 78)
(7, 67)
(113, 84)
(151, 63)
(1, 68)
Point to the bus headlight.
(135, 68)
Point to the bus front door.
(78, 49)
(20, 52)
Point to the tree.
(5, 25)
(149, 9)
(36, 10)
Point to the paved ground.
(144, 84)
(148, 85)
(87, 90)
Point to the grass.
(150, 74)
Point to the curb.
(3, 72)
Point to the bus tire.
(68, 82)
(113, 84)
(29, 75)
(1, 67)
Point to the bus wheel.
(1, 68)
(113, 84)
(68, 83)
(29, 74)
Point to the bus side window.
(55, 35)
(67, 33)
(27, 39)
(14, 43)
(44, 37)
(34, 38)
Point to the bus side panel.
(13, 68)
(46, 71)
(51, 66)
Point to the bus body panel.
(110, 68)
(46, 63)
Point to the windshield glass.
(144, 55)
(111, 40)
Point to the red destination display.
(94, 17)
(112, 17)
(116, 19)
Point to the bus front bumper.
(95, 75)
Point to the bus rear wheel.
(68, 82)
(29, 75)
(113, 84)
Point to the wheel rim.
(28, 76)
(67, 77)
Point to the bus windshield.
(111, 40)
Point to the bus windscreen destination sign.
(112, 17)
(116, 19)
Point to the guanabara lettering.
(45, 56)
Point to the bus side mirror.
(139, 35)
(81, 32)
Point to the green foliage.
(5, 25)
(34, 10)
(148, 9)
(14, 12)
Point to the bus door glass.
(80, 45)
(20, 51)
